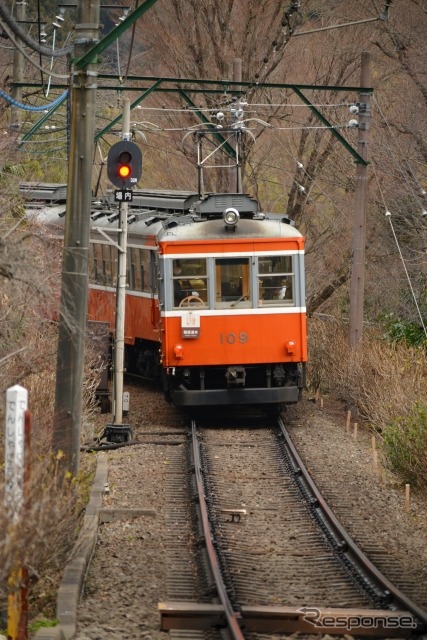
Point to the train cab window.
(232, 283)
(275, 281)
(190, 283)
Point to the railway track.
(277, 559)
(267, 567)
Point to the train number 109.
(232, 338)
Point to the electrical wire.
(247, 107)
(26, 107)
(20, 33)
(30, 60)
(405, 160)
(389, 216)
(314, 183)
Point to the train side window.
(98, 273)
(190, 282)
(144, 269)
(135, 270)
(129, 282)
(232, 283)
(107, 275)
(92, 264)
(275, 280)
(113, 257)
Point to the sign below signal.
(123, 195)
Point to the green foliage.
(405, 446)
(399, 330)
(43, 623)
(33, 170)
(11, 173)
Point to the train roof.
(43, 191)
(175, 215)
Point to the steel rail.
(231, 616)
(345, 544)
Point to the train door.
(154, 290)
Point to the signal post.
(124, 168)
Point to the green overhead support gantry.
(214, 87)
(358, 158)
(236, 88)
(187, 86)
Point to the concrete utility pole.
(73, 311)
(18, 67)
(119, 343)
(357, 284)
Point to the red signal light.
(124, 171)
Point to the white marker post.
(16, 406)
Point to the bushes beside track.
(384, 384)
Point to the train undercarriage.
(272, 384)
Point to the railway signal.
(124, 164)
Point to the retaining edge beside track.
(75, 571)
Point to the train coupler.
(235, 376)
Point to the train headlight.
(178, 351)
(290, 346)
(231, 217)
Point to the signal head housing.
(124, 164)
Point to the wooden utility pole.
(74, 289)
(357, 285)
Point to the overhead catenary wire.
(266, 105)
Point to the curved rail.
(392, 613)
(231, 615)
(374, 580)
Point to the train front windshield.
(238, 282)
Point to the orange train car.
(215, 304)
